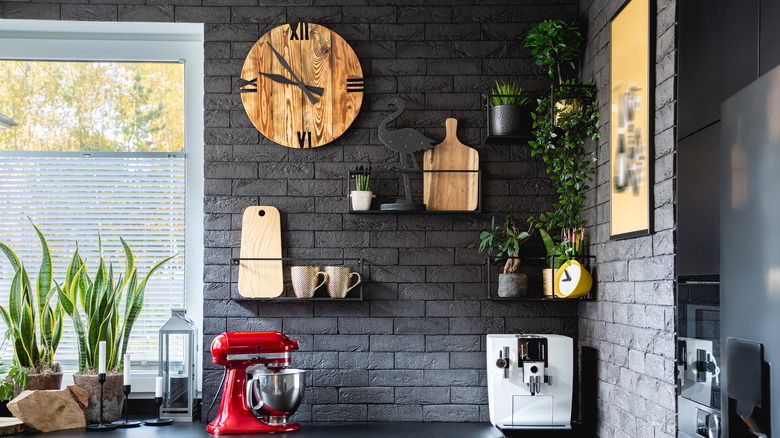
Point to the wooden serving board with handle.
(451, 190)
(261, 237)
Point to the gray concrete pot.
(512, 285)
(112, 395)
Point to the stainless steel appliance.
(530, 381)
(750, 258)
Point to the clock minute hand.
(283, 80)
(300, 84)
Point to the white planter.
(361, 200)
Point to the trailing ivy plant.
(560, 135)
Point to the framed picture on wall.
(632, 63)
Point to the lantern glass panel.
(178, 365)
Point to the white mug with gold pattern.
(339, 278)
(304, 280)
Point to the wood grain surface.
(451, 190)
(261, 237)
(319, 58)
(11, 426)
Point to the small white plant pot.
(361, 200)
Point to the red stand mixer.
(261, 393)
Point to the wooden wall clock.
(302, 85)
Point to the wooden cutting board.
(261, 237)
(11, 426)
(451, 190)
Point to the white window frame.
(129, 42)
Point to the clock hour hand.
(283, 80)
(300, 84)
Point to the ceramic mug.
(339, 278)
(304, 280)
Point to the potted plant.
(564, 123)
(507, 240)
(506, 116)
(554, 251)
(107, 314)
(361, 197)
(33, 326)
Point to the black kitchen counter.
(308, 430)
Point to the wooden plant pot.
(548, 277)
(112, 395)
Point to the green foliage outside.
(92, 106)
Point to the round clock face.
(302, 85)
(572, 281)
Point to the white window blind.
(72, 198)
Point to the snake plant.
(34, 326)
(99, 298)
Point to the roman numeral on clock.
(248, 86)
(354, 85)
(301, 27)
(304, 139)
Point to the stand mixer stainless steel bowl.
(274, 396)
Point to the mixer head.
(242, 349)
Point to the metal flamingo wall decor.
(405, 141)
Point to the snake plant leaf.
(129, 261)
(15, 264)
(7, 319)
(15, 298)
(69, 307)
(131, 313)
(26, 338)
(47, 327)
(43, 283)
(57, 335)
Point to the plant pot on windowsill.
(112, 395)
(47, 379)
(361, 200)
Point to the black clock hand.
(300, 84)
(283, 80)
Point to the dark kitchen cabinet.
(698, 204)
(770, 36)
(717, 55)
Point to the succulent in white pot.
(361, 197)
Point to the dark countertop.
(308, 430)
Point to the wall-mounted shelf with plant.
(508, 110)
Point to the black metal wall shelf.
(375, 203)
(525, 130)
(288, 294)
(545, 262)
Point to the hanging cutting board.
(261, 237)
(451, 190)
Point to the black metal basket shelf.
(288, 294)
(547, 262)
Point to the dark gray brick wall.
(632, 322)
(414, 350)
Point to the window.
(109, 140)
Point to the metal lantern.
(178, 365)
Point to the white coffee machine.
(530, 381)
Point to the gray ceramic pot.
(512, 285)
(505, 120)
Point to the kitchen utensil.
(451, 190)
(338, 280)
(304, 280)
(256, 400)
(261, 237)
